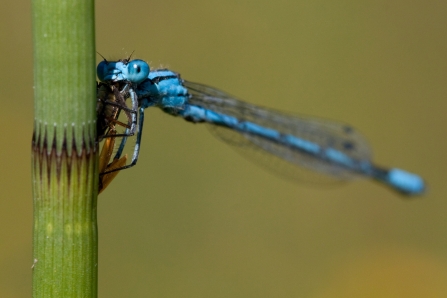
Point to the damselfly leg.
(111, 101)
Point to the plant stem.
(64, 150)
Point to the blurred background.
(194, 218)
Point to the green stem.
(64, 151)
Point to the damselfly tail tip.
(405, 182)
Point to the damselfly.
(295, 142)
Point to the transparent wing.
(284, 160)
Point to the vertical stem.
(64, 151)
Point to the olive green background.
(194, 218)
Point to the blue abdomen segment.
(253, 130)
(402, 181)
